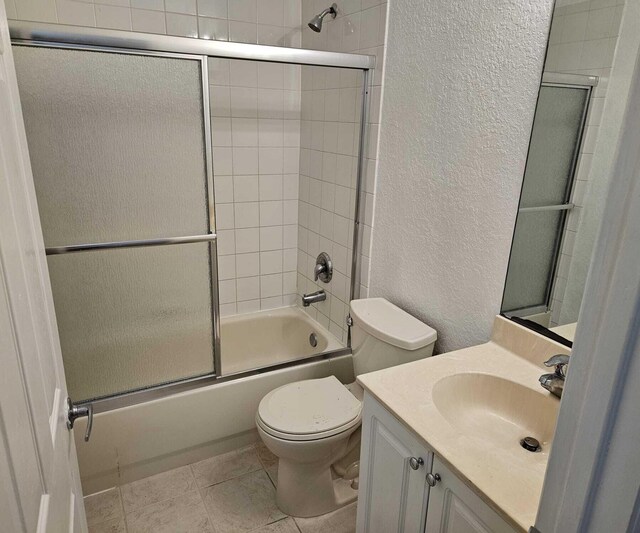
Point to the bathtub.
(139, 440)
(264, 338)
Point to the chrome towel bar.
(57, 250)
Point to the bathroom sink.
(496, 411)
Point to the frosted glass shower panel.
(133, 318)
(533, 258)
(116, 142)
(556, 133)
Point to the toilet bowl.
(313, 426)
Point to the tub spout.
(314, 297)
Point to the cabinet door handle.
(416, 462)
(432, 479)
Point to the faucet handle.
(560, 361)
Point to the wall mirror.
(568, 167)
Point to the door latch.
(77, 411)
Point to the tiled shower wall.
(582, 41)
(329, 135)
(273, 22)
(255, 122)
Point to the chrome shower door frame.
(566, 81)
(116, 41)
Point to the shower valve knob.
(323, 269)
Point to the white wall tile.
(223, 163)
(221, 131)
(271, 262)
(271, 187)
(272, 35)
(225, 216)
(226, 242)
(271, 12)
(244, 131)
(214, 29)
(113, 17)
(213, 8)
(249, 306)
(247, 215)
(37, 10)
(271, 285)
(182, 25)
(271, 213)
(247, 265)
(270, 76)
(243, 10)
(223, 186)
(271, 160)
(243, 32)
(271, 303)
(271, 132)
(247, 240)
(70, 12)
(245, 188)
(227, 291)
(271, 238)
(227, 267)
(245, 161)
(187, 7)
(248, 288)
(155, 5)
(148, 21)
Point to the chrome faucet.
(313, 298)
(554, 382)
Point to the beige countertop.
(504, 475)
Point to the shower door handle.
(76, 411)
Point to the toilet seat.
(309, 410)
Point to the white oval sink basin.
(498, 411)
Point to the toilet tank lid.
(390, 324)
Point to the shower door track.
(94, 39)
(36, 32)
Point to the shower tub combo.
(177, 268)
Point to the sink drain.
(530, 444)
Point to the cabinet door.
(454, 508)
(392, 494)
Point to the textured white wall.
(461, 83)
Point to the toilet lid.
(308, 408)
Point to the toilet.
(313, 426)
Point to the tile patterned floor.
(230, 493)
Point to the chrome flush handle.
(77, 411)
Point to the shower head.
(316, 22)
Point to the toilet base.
(311, 489)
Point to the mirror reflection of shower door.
(546, 198)
(118, 148)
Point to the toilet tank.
(383, 335)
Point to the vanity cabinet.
(394, 493)
(454, 508)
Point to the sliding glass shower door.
(118, 144)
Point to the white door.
(393, 468)
(454, 508)
(39, 480)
